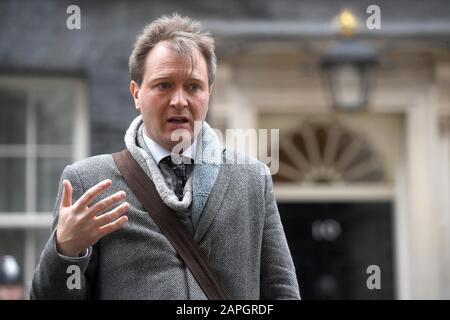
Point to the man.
(230, 210)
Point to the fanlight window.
(326, 154)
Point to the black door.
(333, 244)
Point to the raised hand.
(79, 227)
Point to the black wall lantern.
(348, 66)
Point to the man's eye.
(164, 85)
(194, 87)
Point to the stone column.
(442, 94)
(422, 208)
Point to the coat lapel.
(204, 177)
(211, 207)
(206, 171)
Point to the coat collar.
(208, 161)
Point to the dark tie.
(180, 171)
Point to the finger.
(66, 198)
(113, 226)
(92, 193)
(101, 206)
(112, 216)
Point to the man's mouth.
(178, 120)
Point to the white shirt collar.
(158, 152)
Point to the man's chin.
(176, 135)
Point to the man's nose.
(179, 99)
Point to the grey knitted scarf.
(197, 188)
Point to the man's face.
(173, 94)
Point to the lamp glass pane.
(346, 82)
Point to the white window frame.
(31, 220)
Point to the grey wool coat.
(233, 217)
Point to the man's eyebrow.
(159, 78)
(196, 79)
(168, 77)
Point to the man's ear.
(134, 89)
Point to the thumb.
(66, 199)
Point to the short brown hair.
(182, 34)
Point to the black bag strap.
(145, 191)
